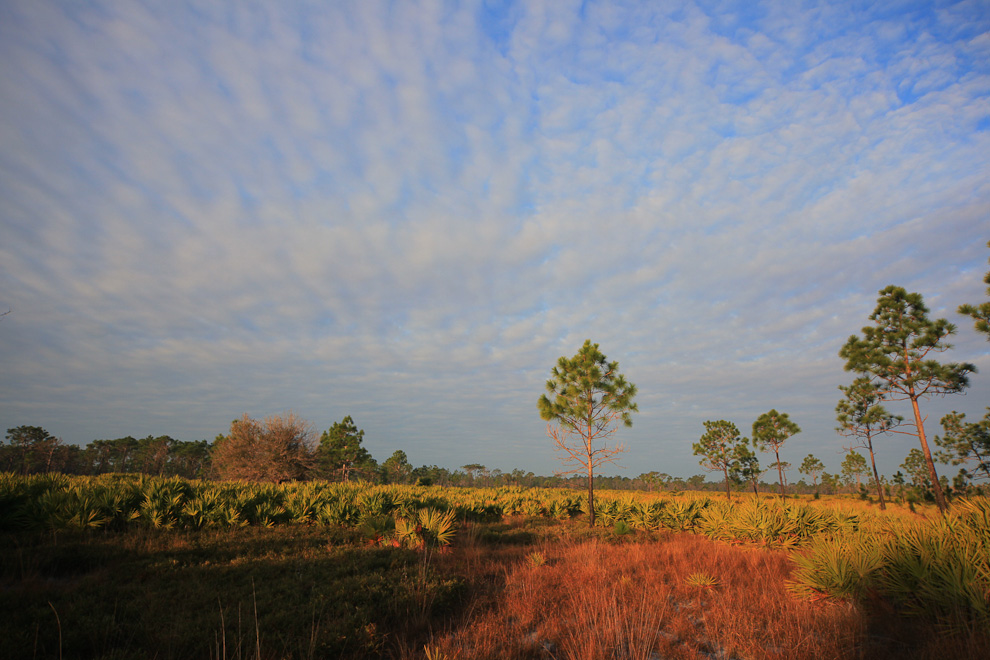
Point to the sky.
(406, 212)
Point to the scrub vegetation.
(121, 566)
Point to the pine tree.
(771, 430)
(896, 354)
(397, 467)
(719, 449)
(966, 442)
(854, 467)
(980, 313)
(340, 450)
(588, 397)
(812, 466)
(861, 416)
(747, 466)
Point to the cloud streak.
(406, 213)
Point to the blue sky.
(406, 212)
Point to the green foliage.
(979, 313)
(966, 443)
(437, 528)
(747, 465)
(860, 414)
(609, 511)
(342, 512)
(536, 558)
(587, 398)
(895, 350)
(812, 466)
(340, 451)
(772, 523)
(588, 394)
(940, 568)
(854, 467)
(916, 468)
(32, 449)
(896, 354)
(397, 467)
(937, 569)
(288, 592)
(719, 449)
(702, 581)
(770, 431)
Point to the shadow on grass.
(289, 592)
(513, 589)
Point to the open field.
(135, 567)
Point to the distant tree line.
(281, 453)
(32, 449)
(338, 455)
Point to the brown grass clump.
(677, 597)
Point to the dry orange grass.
(681, 597)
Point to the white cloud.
(405, 214)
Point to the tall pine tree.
(771, 430)
(861, 416)
(588, 397)
(719, 449)
(896, 353)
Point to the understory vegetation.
(122, 566)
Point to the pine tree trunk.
(780, 471)
(936, 486)
(876, 477)
(982, 462)
(591, 495)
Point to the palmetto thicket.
(937, 568)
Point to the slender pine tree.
(588, 397)
(771, 430)
(861, 416)
(719, 450)
(896, 353)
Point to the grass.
(601, 596)
(595, 599)
(514, 586)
